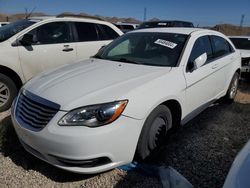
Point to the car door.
(90, 37)
(222, 63)
(200, 83)
(52, 47)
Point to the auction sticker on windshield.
(166, 43)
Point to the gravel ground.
(203, 151)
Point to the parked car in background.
(98, 114)
(165, 23)
(3, 23)
(30, 46)
(242, 43)
(126, 27)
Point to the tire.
(8, 92)
(233, 87)
(153, 132)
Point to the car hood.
(91, 82)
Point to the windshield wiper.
(97, 56)
(125, 60)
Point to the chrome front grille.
(34, 112)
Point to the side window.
(86, 31)
(106, 32)
(178, 24)
(220, 46)
(201, 45)
(51, 33)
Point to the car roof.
(179, 30)
(162, 21)
(125, 23)
(245, 37)
(68, 17)
(40, 18)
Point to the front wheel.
(233, 87)
(153, 132)
(8, 92)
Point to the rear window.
(106, 32)
(241, 43)
(221, 46)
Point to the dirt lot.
(202, 151)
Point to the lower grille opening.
(83, 163)
(31, 150)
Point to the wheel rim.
(4, 94)
(234, 88)
(158, 133)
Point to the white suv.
(93, 116)
(28, 47)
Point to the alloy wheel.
(234, 88)
(4, 94)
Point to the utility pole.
(242, 20)
(145, 14)
(241, 23)
(26, 13)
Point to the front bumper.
(82, 149)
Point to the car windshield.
(13, 28)
(241, 43)
(155, 49)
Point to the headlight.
(94, 115)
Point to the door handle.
(67, 49)
(215, 66)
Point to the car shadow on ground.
(12, 148)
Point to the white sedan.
(104, 112)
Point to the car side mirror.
(201, 60)
(27, 39)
